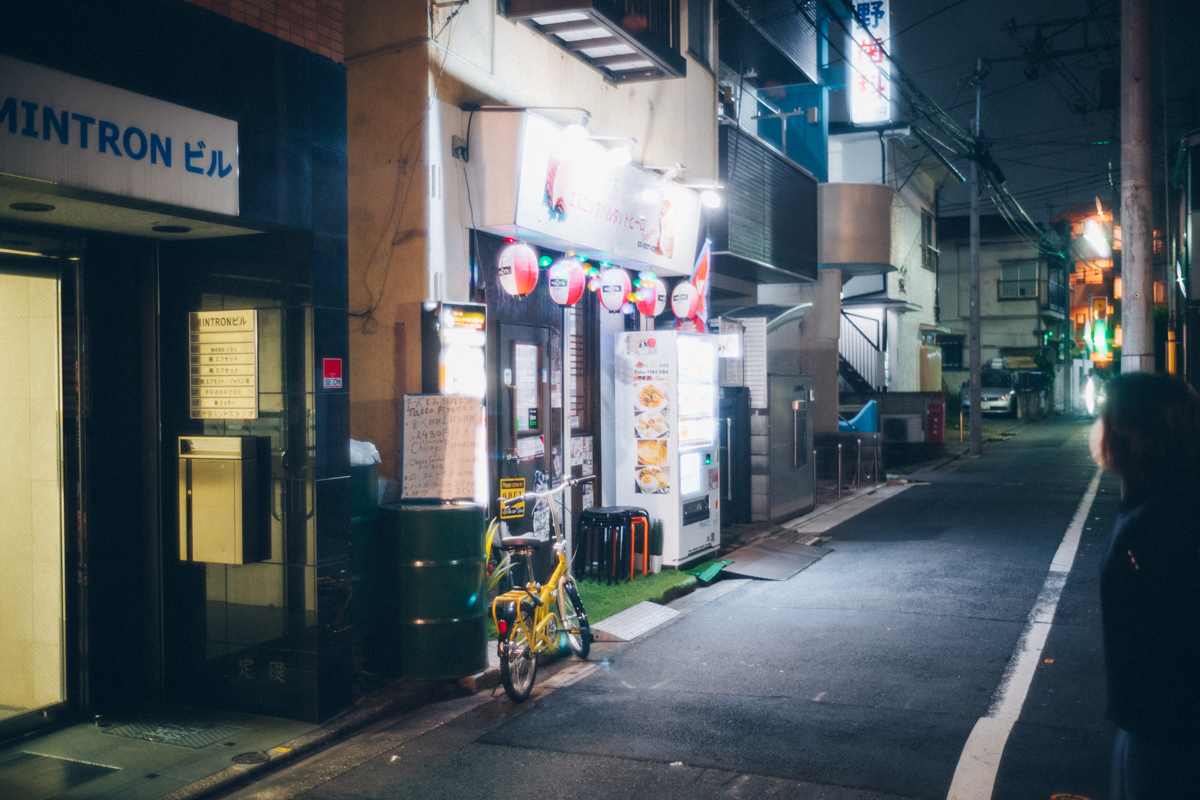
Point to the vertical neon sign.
(868, 73)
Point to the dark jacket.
(1150, 605)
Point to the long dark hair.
(1151, 427)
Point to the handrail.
(870, 341)
(860, 351)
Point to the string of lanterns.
(518, 266)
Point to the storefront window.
(31, 520)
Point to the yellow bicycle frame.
(541, 638)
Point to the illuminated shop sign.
(68, 130)
(571, 189)
(868, 73)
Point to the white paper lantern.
(614, 288)
(685, 300)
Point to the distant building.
(1024, 300)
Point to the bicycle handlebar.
(508, 501)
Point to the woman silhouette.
(1148, 435)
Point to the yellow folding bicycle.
(537, 618)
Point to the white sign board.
(68, 130)
(223, 364)
(572, 189)
(439, 446)
(868, 72)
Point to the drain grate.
(30, 776)
(251, 758)
(194, 735)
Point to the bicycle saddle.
(513, 542)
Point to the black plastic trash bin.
(430, 608)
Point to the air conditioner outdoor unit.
(902, 428)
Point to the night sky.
(1050, 131)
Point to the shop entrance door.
(32, 604)
(524, 427)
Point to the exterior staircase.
(860, 353)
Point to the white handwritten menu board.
(223, 364)
(439, 446)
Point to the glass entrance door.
(31, 479)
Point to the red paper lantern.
(567, 282)
(614, 288)
(652, 297)
(518, 269)
(661, 296)
(685, 300)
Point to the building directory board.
(223, 364)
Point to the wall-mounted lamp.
(622, 154)
(709, 196)
(578, 130)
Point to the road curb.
(396, 699)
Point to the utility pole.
(1137, 244)
(976, 354)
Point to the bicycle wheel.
(518, 664)
(574, 618)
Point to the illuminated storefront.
(173, 255)
(566, 239)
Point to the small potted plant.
(656, 544)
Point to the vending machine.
(667, 454)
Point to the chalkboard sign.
(439, 446)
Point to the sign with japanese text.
(510, 488)
(571, 189)
(223, 364)
(440, 445)
(868, 72)
(68, 130)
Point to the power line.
(928, 17)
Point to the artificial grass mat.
(602, 600)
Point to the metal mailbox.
(222, 482)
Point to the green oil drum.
(430, 604)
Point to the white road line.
(975, 775)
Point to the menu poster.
(652, 425)
(439, 445)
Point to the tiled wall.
(31, 604)
(313, 24)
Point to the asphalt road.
(861, 677)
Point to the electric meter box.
(223, 502)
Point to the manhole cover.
(194, 735)
(251, 758)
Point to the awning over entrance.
(27, 200)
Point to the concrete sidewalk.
(153, 770)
